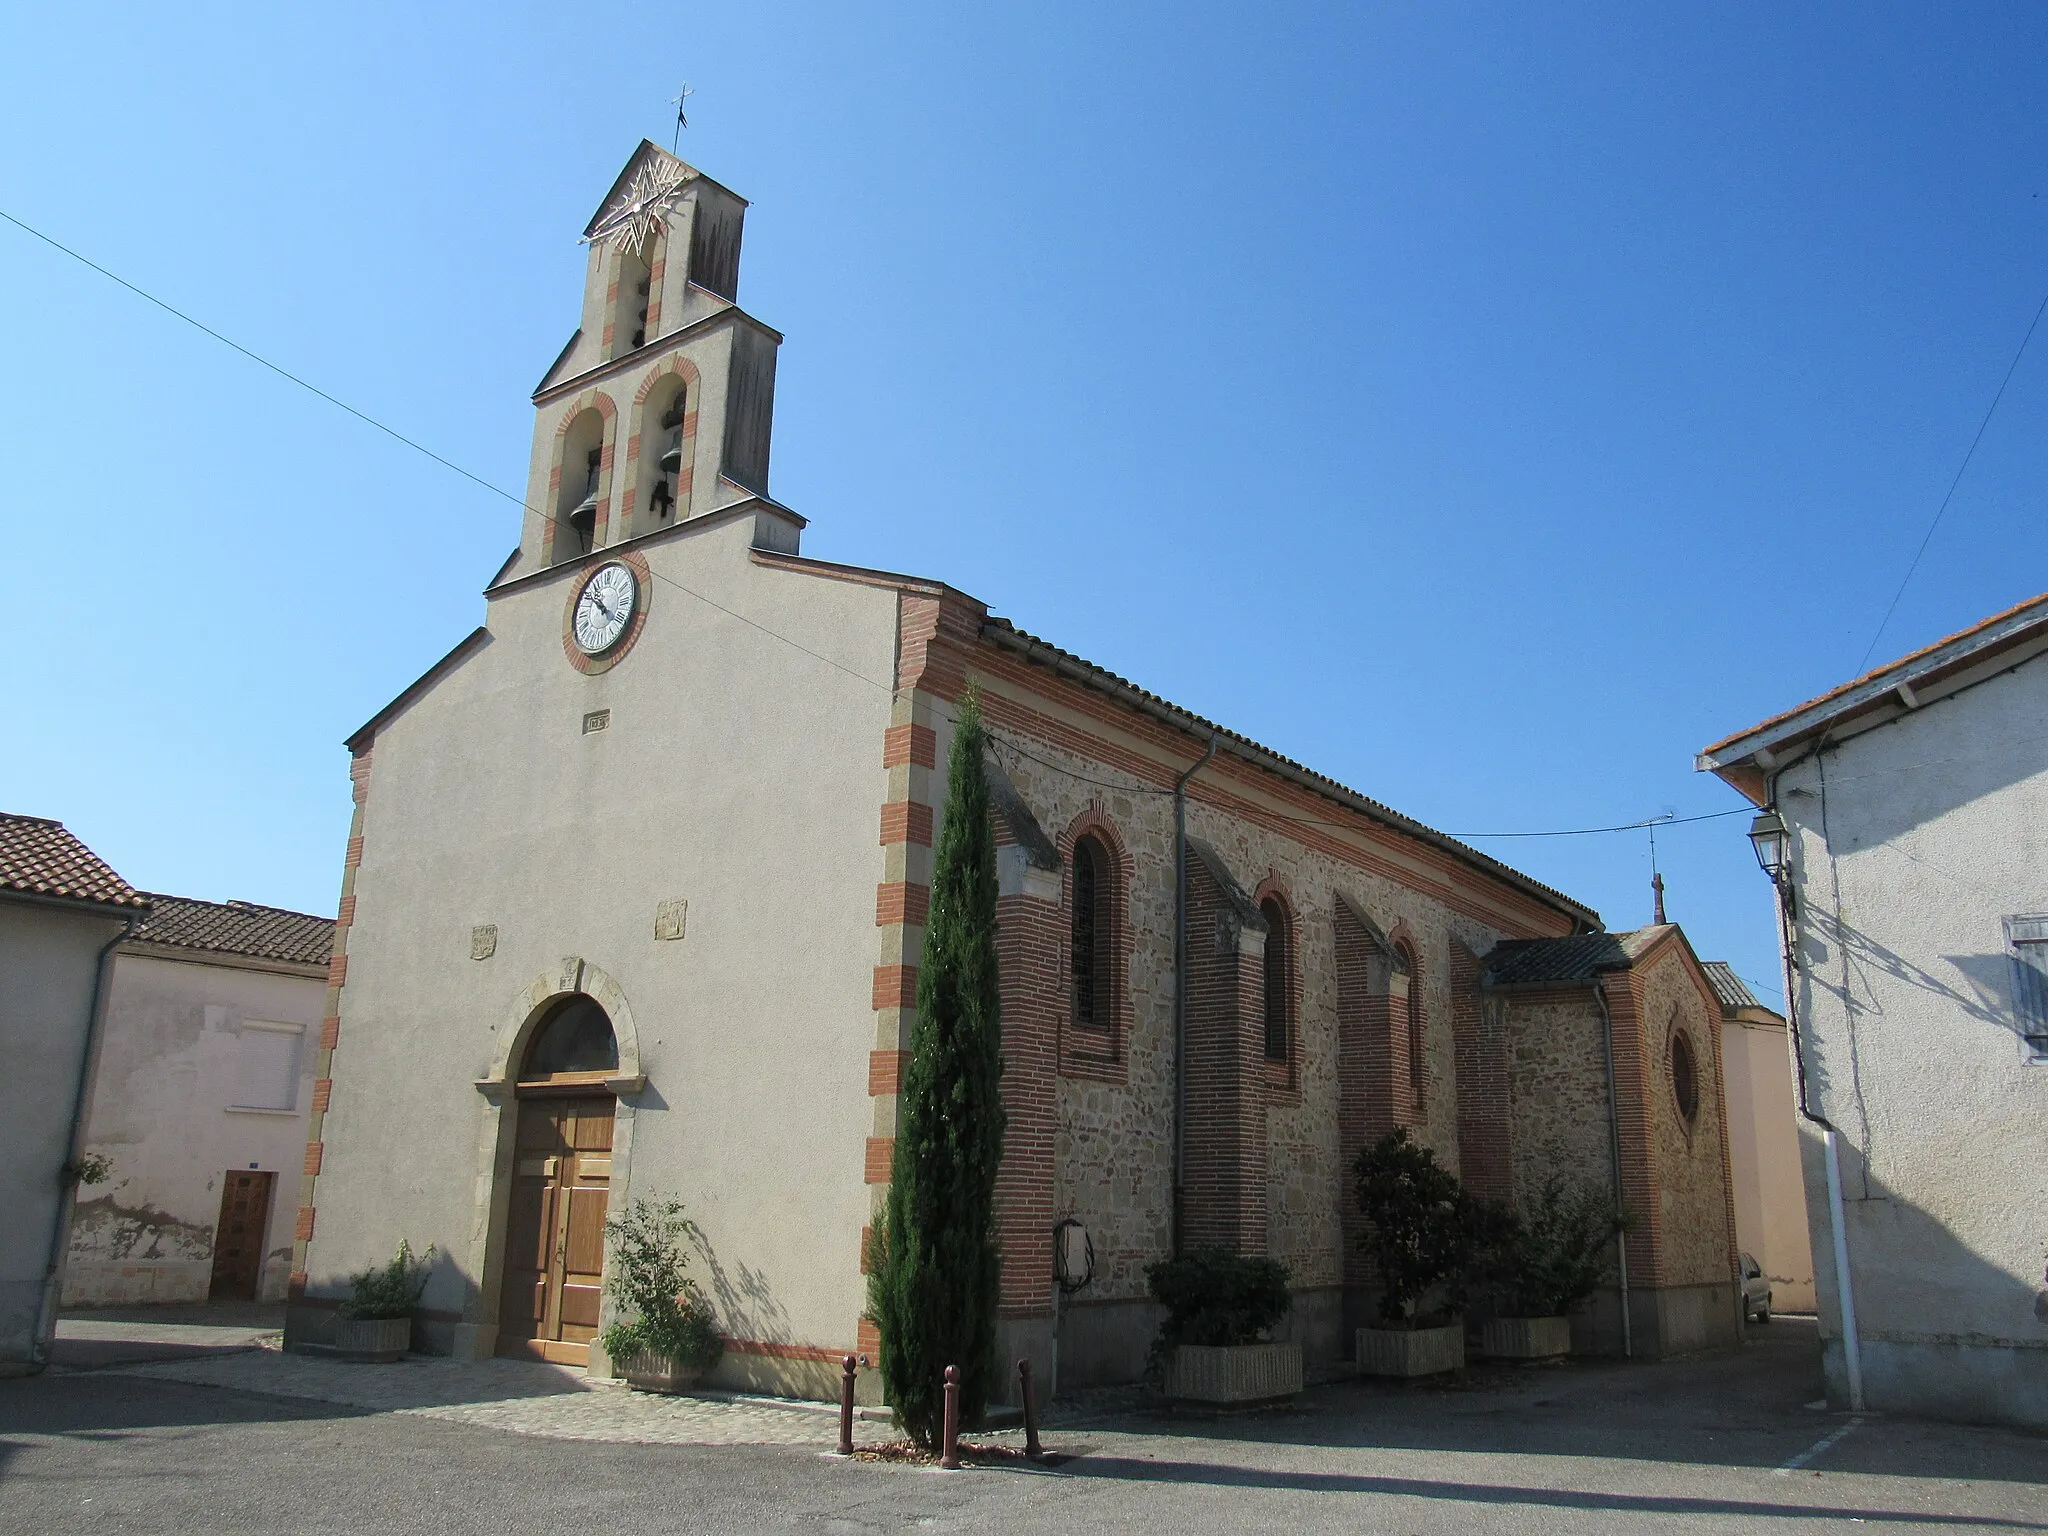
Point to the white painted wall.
(1911, 842)
(49, 958)
(167, 1109)
(738, 773)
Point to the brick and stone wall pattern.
(1691, 1190)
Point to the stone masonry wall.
(1696, 1223)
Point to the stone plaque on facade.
(670, 918)
(483, 941)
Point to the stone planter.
(1526, 1338)
(372, 1340)
(649, 1372)
(1411, 1351)
(1234, 1375)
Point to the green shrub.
(1217, 1298)
(1555, 1256)
(648, 1278)
(1424, 1232)
(934, 1268)
(392, 1291)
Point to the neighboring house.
(635, 893)
(1906, 820)
(61, 912)
(1763, 1141)
(199, 1102)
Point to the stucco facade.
(1763, 1150)
(711, 819)
(1915, 802)
(204, 1071)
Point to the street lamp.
(1772, 843)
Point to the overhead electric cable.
(1864, 665)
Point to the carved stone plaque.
(670, 918)
(483, 941)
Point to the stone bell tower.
(660, 408)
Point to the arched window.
(1279, 967)
(577, 498)
(1418, 1046)
(629, 319)
(668, 457)
(1685, 1076)
(576, 1036)
(1091, 960)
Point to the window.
(1091, 959)
(576, 1037)
(1418, 1064)
(2027, 939)
(1685, 1076)
(1279, 941)
(267, 1067)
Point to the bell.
(671, 461)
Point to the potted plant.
(1212, 1347)
(374, 1326)
(1423, 1232)
(668, 1340)
(1550, 1260)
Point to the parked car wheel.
(1763, 1314)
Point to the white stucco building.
(199, 1099)
(62, 910)
(1914, 884)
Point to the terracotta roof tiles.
(38, 857)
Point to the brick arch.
(589, 400)
(1274, 889)
(1407, 947)
(639, 477)
(1086, 1052)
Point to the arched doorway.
(561, 1184)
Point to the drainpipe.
(39, 1346)
(1180, 989)
(1845, 1294)
(1628, 1339)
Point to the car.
(1756, 1290)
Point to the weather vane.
(680, 103)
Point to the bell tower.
(661, 407)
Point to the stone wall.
(1695, 1219)
(1557, 1086)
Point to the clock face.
(604, 608)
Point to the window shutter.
(2027, 938)
(268, 1063)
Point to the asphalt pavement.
(1708, 1445)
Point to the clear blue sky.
(1487, 405)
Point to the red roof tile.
(39, 858)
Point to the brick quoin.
(895, 986)
(330, 1032)
(346, 913)
(867, 1340)
(303, 1230)
(1632, 1114)
(323, 1091)
(314, 1151)
(907, 821)
(885, 1072)
(901, 902)
(881, 1156)
(352, 856)
(914, 745)
(337, 970)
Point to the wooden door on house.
(554, 1239)
(238, 1237)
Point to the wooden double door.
(554, 1241)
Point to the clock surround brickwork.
(643, 596)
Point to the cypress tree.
(934, 1266)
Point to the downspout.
(60, 1232)
(1628, 1340)
(1180, 989)
(1845, 1294)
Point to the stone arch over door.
(476, 1336)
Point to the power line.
(1864, 665)
(524, 505)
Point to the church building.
(633, 905)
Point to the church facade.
(634, 897)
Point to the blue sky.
(1487, 405)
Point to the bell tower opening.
(634, 296)
(580, 497)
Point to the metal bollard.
(949, 1445)
(1031, 1446)
(846, 1409)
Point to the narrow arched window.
(1279, 966)
(1685, 1077)
(1418, 1045)
(1090, 959)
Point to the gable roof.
(39, 858)
(1728, 986)
(238, 928)
(1955, 662)
(649, 151)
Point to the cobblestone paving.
(522, 1397)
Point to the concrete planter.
(1234, 1375)
(1411, 1351)
(649, 1372)
(372, 1340)
(1526, 1338)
